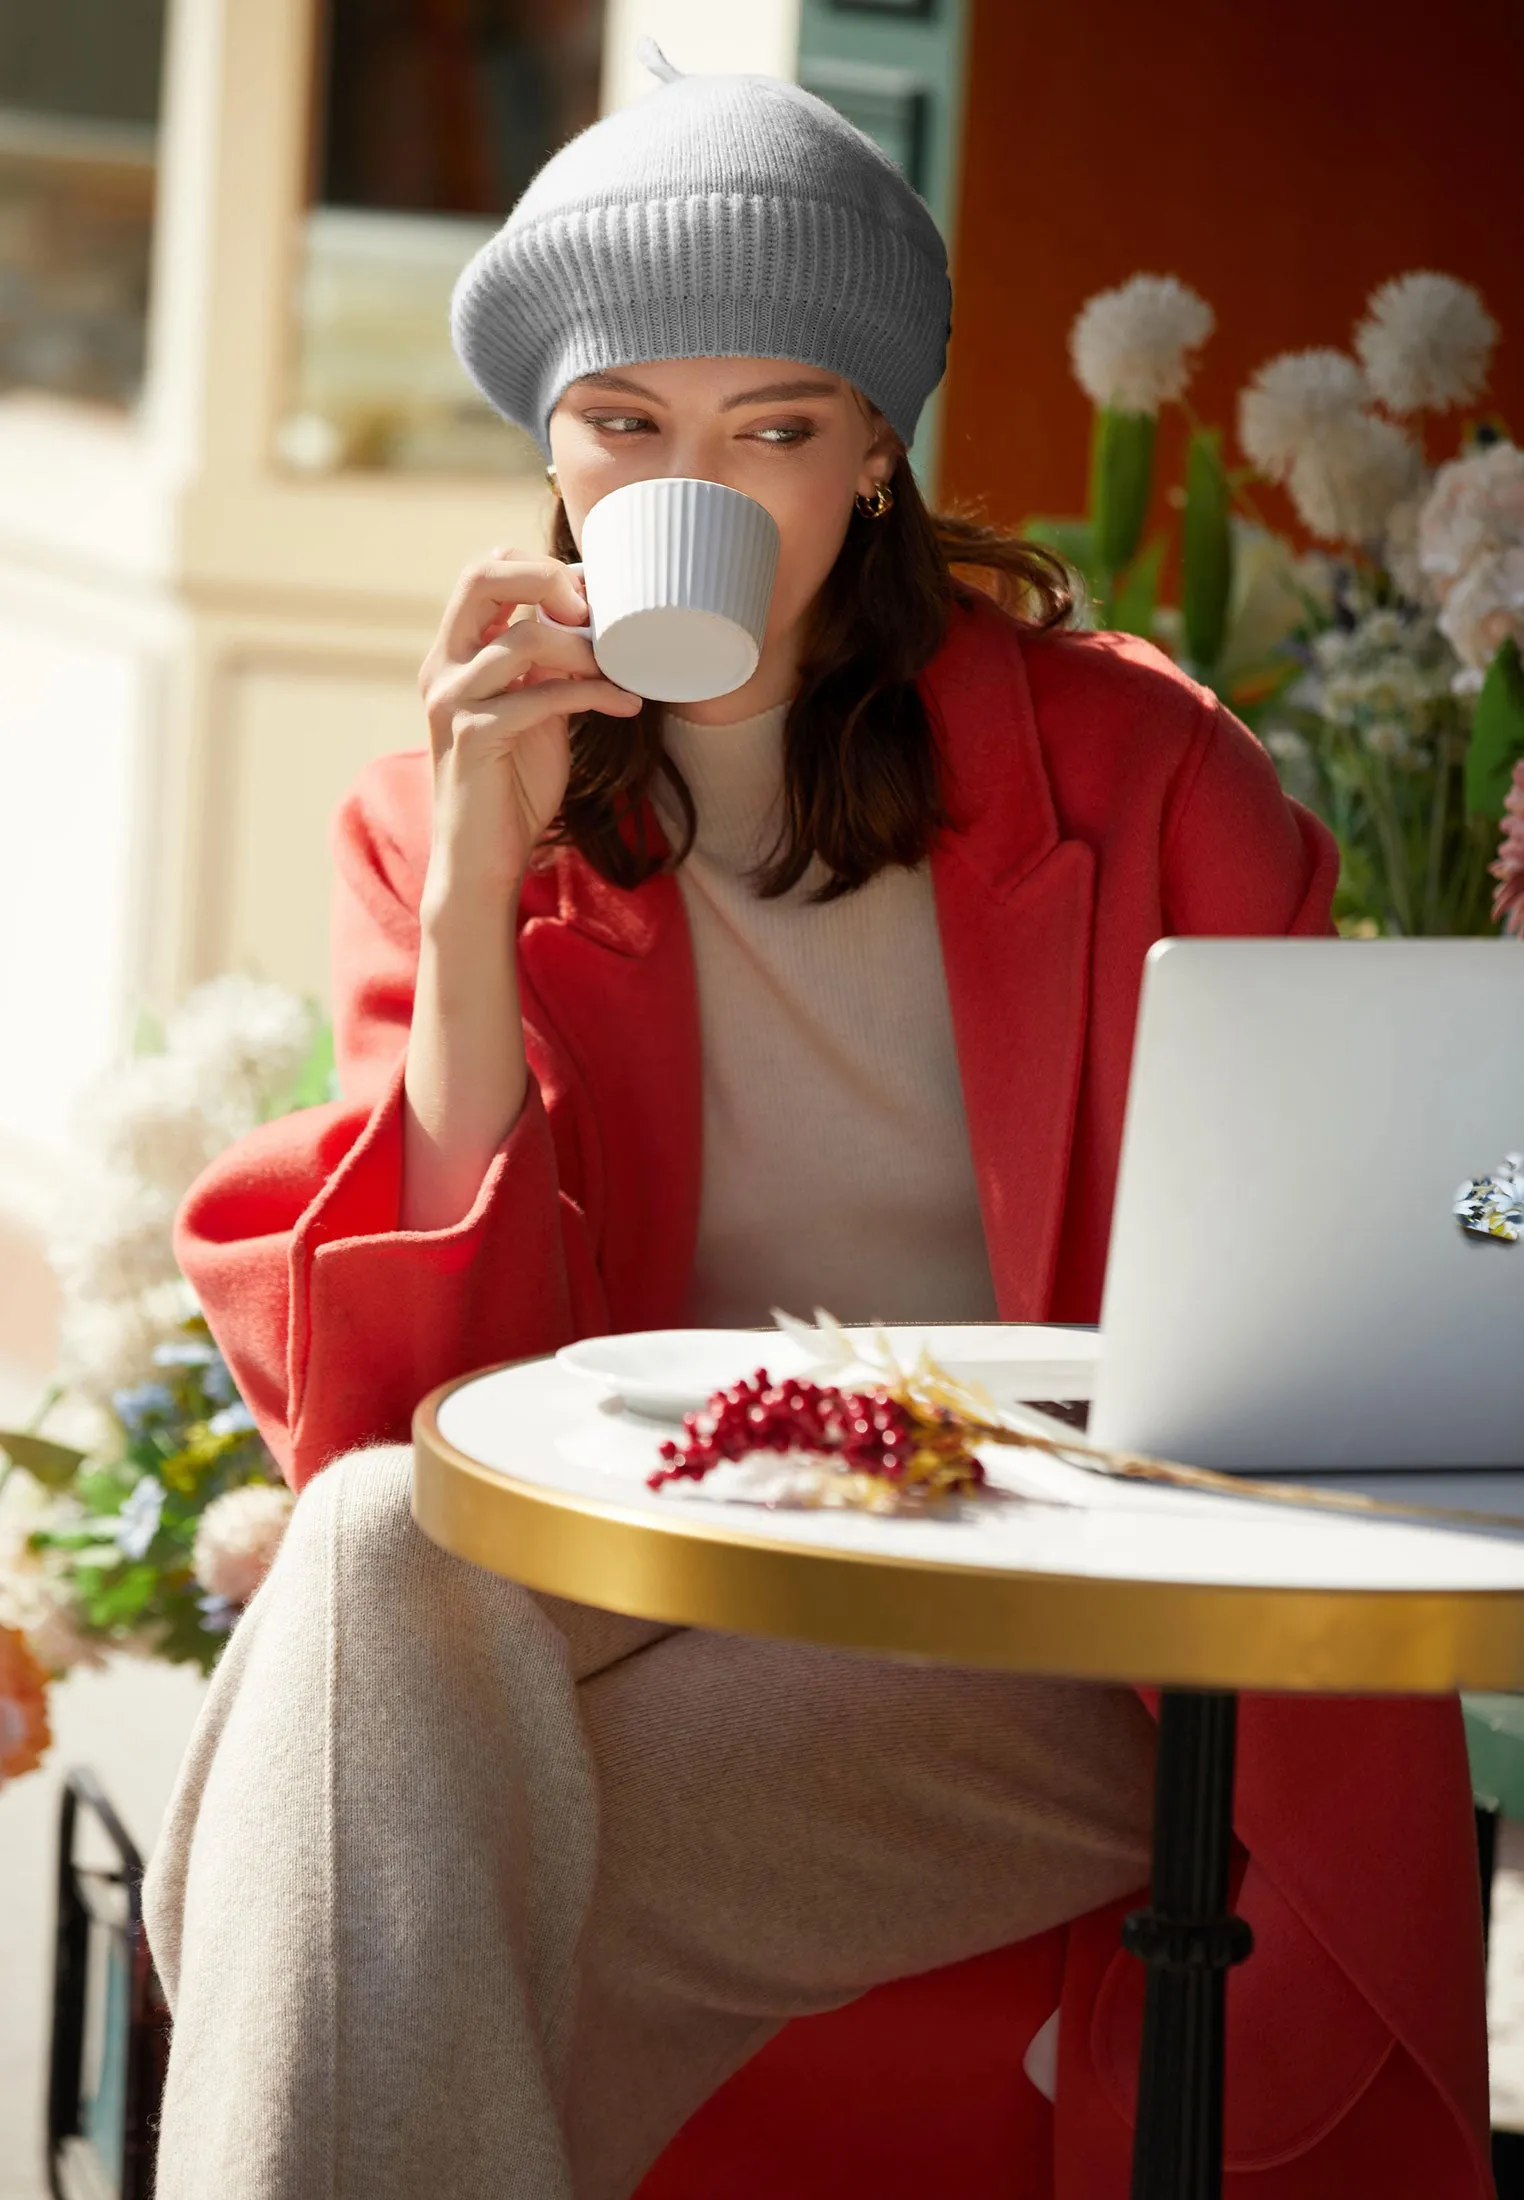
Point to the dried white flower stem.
(836, 1347)
(1139, 1467)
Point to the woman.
(823, 991)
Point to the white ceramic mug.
(679, 576)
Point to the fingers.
(530, 666)
(501, 583)
(526, 648)
(515, 712)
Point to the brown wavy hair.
(861, 779)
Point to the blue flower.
(218, 1614)
(138, 1521)
(233, 1419)
(146, 1402)
(184, 1352)
(218, 1383)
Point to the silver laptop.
(1289, 1285)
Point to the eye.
(619, 423)
(785, 438)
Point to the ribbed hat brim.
(701, 277)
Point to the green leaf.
(1137, 591)
(1497, 734)
(54, 1465)
(1073, 541)
(120, 1601)
(1206, 582)
(104, 1490)
(1071, 538)
(147, 1032)
(1249, 694)
(182, 1635)
(1121, 483)
(315, 1081)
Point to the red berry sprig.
(889, 1437)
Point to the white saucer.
(662, 1374)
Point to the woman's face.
(795, 438)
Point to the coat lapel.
(1014, 908)
(610, 972)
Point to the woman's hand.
(500, 687)
(499, 690)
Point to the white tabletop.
(543, 1426)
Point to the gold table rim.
(698, 1573)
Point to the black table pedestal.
(1189, 1939)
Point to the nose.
(700, 453)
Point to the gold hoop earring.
(554, 479)
(877, 505)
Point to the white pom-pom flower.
(1293, 403)
(1348, 481)
(237, 1539)
(108, 1345)
(1391, 740)
(110, 1238)
(58, 1643)
(1426, 342)
(246, 1038)
(31, 1597)
(1400, 554)
(148, 1119)
(1295, 761)
(1132, 348)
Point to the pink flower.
(1475, 507)
(1485, 607)
(238, 1537)
(1508, 903)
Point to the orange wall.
(1281, 158)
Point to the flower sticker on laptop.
(1493, 1206)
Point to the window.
(433, 116)
(79, 98)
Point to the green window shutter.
(895, 69)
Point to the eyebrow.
(779, 393)
(774, 393)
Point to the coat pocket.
(1302, 2042)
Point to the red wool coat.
(1101, 800)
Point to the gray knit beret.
(721, 216)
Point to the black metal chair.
(110, 2039)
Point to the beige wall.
(699, 37)
(199, 649)
(297, 733)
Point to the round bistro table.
(524, 1469)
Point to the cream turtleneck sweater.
(836, 1166)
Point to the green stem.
(50, 1398)
(1238, 494)
(1469, 882)
(1477, 907)
(1439, 818)
(1389, 831)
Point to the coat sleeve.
(333, 1320)
(1240, 856)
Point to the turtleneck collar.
(735, 775)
